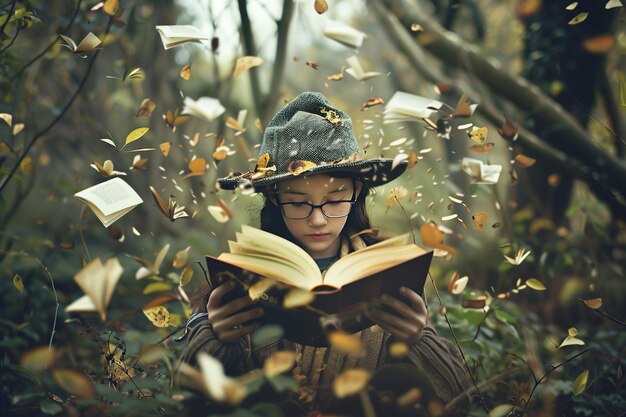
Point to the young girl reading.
(321, 209)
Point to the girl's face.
(318, 235)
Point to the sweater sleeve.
(200, 337)
(438, 358)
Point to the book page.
(177, 33)
(272, 267)
(111, 196)
(409, 106)
(365, 263)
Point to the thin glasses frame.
(314, 206)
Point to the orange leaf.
(165, 148)
(600, 44)
(185, 72)
(299, 166)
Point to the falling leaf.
(433, 237)
(413, 159)
(159, 316)
(135, 135)
(345, 342)
(197, 166)
(535, 284)
(27, 165)
(106, 169)
(394, 194)
(260, 287)
(398, 159)
(524, 161)
(415, 27)
(165, 148)
(571, 339)
(88, 44)
(297, 297)
(593, 303)
(313, 65)
(611, 4)
(508, 130)
(503, 410)
(218, 214)
(457, 285)
(279, 362)
(38, 359)
(139, 162)
(478, 135)
(339, 76)
(17, 128)
(148, 268)
(18, 283)
(463, 108)
(599, 44)
(221, 152)
(185, 72)
(185, 276)
(479, 219)
(398, 349)
(350, 382)
(217, 384)
(580, 383)
(181, 258)
(321, 6)
(8, 119)
(74, 382)
(297, 167)
(146, 108)
(519, 257)
(374, 101)
(263, 161)
(111, 7)
(244, 63)
(580, 17)
(571, 6)
(174, 119)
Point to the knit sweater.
(435, 356)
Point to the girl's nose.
(317, 218)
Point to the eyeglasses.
(331, 209)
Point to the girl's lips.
(318, 236)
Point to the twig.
(17, 31)
(56, 299)
(47, 48)
(552, 369)
(366, 402)
(607, 315)
(407, 217)
(6, 22)
(250, 49)
(481, 323)
(80, 231)
(56, 119)
(157, 344)
(458, 345)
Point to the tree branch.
(250, 49)
(45, 130)
(6, 22)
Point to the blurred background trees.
(552, 69)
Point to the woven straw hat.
(310, 136)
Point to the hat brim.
(374, 172)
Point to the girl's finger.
(384, 318)
(229, 308)
(415, 299)
(401, 307)
(215, 298)
(240, 318)
(389, 328)
(233, 335)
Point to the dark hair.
(272, 221)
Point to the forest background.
(542, 332)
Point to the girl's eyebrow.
(335, 191)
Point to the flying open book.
(342, 296)
(175, 35)
(409, 107)
(110, 200)
(344, 34)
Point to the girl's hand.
(407, 326)
(227, 319)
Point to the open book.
(343, 295)
(176, 35)
(409, 107)
(357, 71)
(110, 200)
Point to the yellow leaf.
(535, 284)
(321, 6)
(38, 359)
(433, 237)
(156, 287)
(398, 349)
(8, 119)
(345, 342)
(503, 410)
(185, 72)
(185, 276)
(165, 148)
(27, 165)
(458, 285)
(146, 108)
(136, 134)
(479, 219)
(593, 303)
(572, 331)
(218, 214)
(263, 161)
(245, 63)
(569, 341)
(159, 316)
(350, 382)
(580, 17)
(17, 282)
(297, 297)
(479, 135)
(580, 383)
(181, 258)
(279, 362)
(17, 128)
(299, 166)
(74, 382)
(260, 287)
(111, 7)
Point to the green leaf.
(136, 134)
(580, 17)
(535, 284)
(49, 407)
(580, 383)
